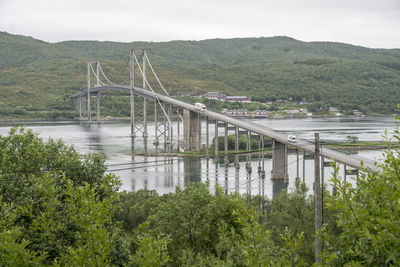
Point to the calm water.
(165, 173)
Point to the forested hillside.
(36, 76)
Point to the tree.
(368, 216)
(351, 139)
(63, 203)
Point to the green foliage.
(58, 207)
(92, 215)
(55, 203)
(194, 219)
(368, 216)
(152, 251)
(258, 247)
(294, 211)
(351, 139)
(13, 247)
(293, 245)
(24, 156)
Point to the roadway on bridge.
(304, 145)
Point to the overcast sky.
(371, 23)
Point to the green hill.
(37, 76)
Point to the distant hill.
(37, 76)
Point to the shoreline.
(112, 119)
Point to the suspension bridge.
(171, 113)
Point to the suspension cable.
(159, 82)
(95, 74)
(102, 72)
(155, 95)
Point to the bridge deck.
(349, 160)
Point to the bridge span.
(303, 145)
(169, 111)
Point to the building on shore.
(260, 113)
(223, 97)
(214, 96)
(237, 113)
(239, 98)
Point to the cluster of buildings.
(339, 114)
(223, 97)
(244, 113)
(295, 111)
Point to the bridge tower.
(279, 161)
(192, 129)
(90, 70)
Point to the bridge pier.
(98, 107)
(89, 113)
(262, 158)
(248, 155)
(297, 164)
(170, 128)
(156, 142)
(216, 139)
(199, 133)
(304, 166)
(207, 138)
(279, 161)
(80, 108)
(237, 164)
(191, 129)
(259, 154)
(145, 134)
(131, 96)
(277, 186)
(165, 129)
(226, 161)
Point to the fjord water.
(125, 158)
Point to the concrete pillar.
(259, 154)
(248, 148)
(226, 161)
(207, 137)
(226, 140)
(98, 106)
(304, 166)
(262, 158)
(170, 128)
(199, 134)
(178, 127)
(88, 93)
(216, 138)
(278, 185)
(165, 130)
(80, 108)
(237, 165)
(156, 141)
(132, 99)
(191, 129)
(145, 134)
(297, 164)
(279, 161)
